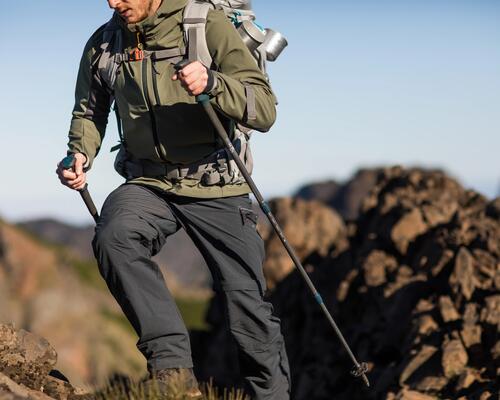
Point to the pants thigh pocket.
(249, 220)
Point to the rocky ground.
(27, 371)
(416, 293)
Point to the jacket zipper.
(154, 126)
(155, 84)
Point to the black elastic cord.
(210, 81)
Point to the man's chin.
(129, 19)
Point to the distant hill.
(345, 197)
(179, 258)
(77, 238)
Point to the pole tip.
(360, 370)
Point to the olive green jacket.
(160, 121)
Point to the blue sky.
(362, 83)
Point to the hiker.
(178, 176)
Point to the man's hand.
(193, 77)
(73, 178)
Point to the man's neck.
(154, 5)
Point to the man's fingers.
(193, 78)
(78, 183)
(79, 167)
(188, 69)
(75, 177)
(68, 174)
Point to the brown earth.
(416, 294)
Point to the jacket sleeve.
(237, 68)
(92, 106)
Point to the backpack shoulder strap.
(111, 52)
(194, 23)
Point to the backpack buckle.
(136, 55)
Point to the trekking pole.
(68, 163)
(360, 369)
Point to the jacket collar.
(149, 26)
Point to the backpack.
(264, 44)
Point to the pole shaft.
(87, 199)
(267, 211)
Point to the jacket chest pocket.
(129, 89)
(166, 92)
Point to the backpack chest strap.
(173, 55)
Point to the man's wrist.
(211, 82)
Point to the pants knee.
(252, 323)
(111, 241)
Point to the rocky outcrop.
(416, 294)
(309, 226)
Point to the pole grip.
(68, 162)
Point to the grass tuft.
(156, 390)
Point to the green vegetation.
(88, 272)
(117, 318)
(193, 312)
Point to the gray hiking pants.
(135, 222)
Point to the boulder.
(25, 357)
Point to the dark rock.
(454, 358)
(491, 313)
(493, 209)
(463, 275)
(309, 226)
(375, 266)
(448, 311)
(407, 229)
(416, 362)
(413, 395)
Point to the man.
(177, 177)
